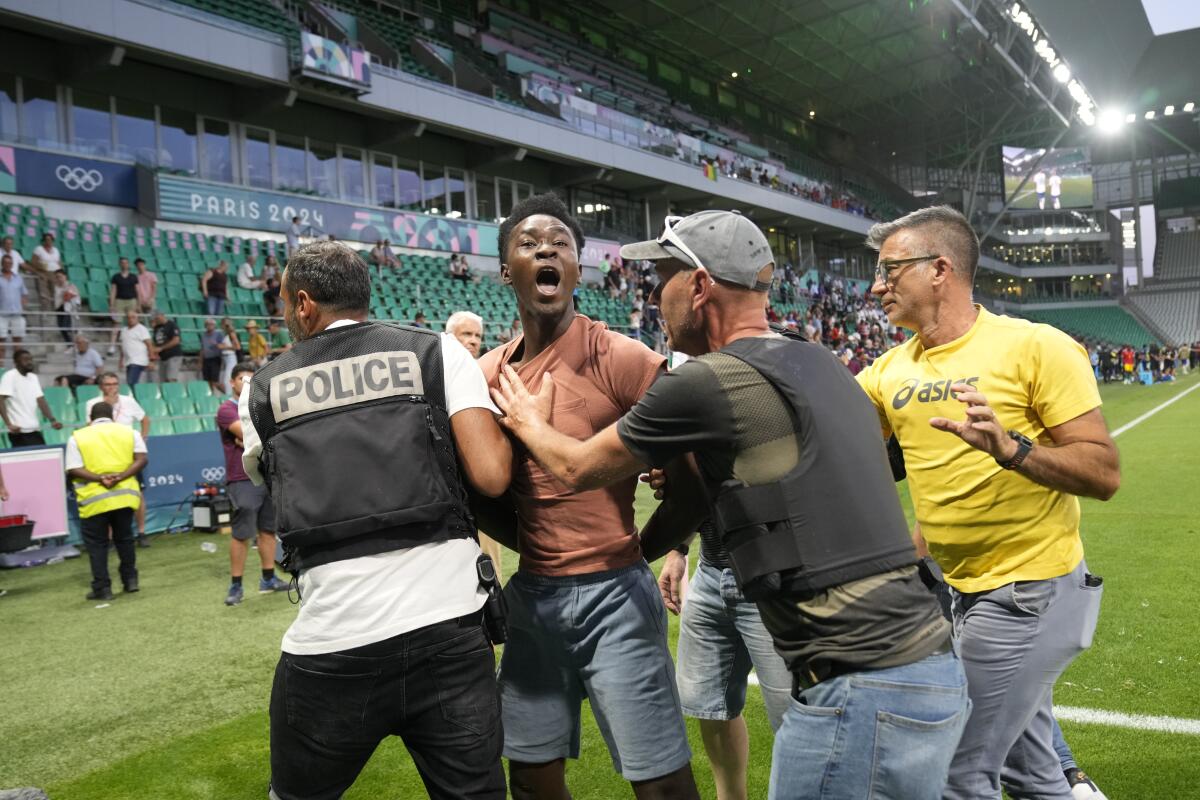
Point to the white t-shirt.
(245, 277)
(73, 459)
(16, 258)
(22, 392)
(51, 259)
(293, 236)
(1055, 185)
(1039, 182)
(133, 344)
(127, 412)
(359, 601)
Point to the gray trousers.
(1015, 642)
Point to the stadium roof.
(913, 76)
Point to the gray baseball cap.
(725, 243)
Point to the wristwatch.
(1024, 445)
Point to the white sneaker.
(112, 351)
(1083, 787)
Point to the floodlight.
(1111, 120)
(1188, 107)
(1130, 118)
(1062, 73)
(1168, 111)
(1149, 115)
(812, 114)
(733, 74)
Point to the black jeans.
(95, 538)
(434, 687)
(26, 439)
(64, 324)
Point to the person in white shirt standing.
(136, 348)
(128, 412)
(46, 261)
(371, 458)
(12, 305)
(1055, 189)
(20, 400)
(1039, 186)
(293, 236)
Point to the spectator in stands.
(511, 332)
(129, 412)
(279, 339)
(66, 305)
(270, 269)
(210, 355)
(293, 236)
(231, 352)
(635, 323)
(419, 321)
(254, 513)
(214, 285)
(136, 348)
(46, 261)
(13, 295)
(272, 300)
(7, 249)
(147, 289)
(257, 347)
(382, 256)
(468, 329)
(104, 460)
(167, 346)
(247, 278)
(88, 363)
(459, 270)
(20, 399)
(122, 298)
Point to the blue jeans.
(870, 735)
(133, 373)
(721, 636)
(215, 306)
(602, 636)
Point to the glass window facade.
(433, 188)
(217, 148)
(39, 113)
(485, 198)
(289, 163)
(91, 122)
(408, 185)
(177, 129)
(322, 169)
(8, 107)
(456, 187)
(258, 158)
(353, 187)
(383, 180)
(135, 130)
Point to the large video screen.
(1062, 179)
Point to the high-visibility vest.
(106, 449)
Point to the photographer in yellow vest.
(103, 461)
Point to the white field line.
(1092, 716)
(1154, 411)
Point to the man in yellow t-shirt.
(1000, 424)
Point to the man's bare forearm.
(1086, 469)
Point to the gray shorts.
(601, 636)
(255, 511)
(168, 369)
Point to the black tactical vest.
(357, 452)
(835, 518)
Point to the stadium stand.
(1180, 256)
(1175, 312)
(1104, 323)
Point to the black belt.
(807, 677)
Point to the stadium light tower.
(1111, 120)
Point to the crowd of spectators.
(806, 188)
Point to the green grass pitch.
(164, 693)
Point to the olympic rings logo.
(78, 178)
(213, 474)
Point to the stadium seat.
(198, 389)
(86, 391)
(181, 406)
(187, 425)
(144, 391)
(170, 391)
(161, 427)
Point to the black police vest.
(356, 445)
(835, 517)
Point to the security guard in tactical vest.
(103, 461)
(363, 433)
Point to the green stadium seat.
(59, 436)
(160, 426)
(172, 391)
(154, 406)
(208, 405)
(181, 406)
(86, 391)
(198, 389)
(146, 391)
(187, 425)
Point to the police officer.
(104, 460)
(803, 498)
(363, 433)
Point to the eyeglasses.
(886, 272)
(669, 236)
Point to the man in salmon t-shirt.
(585, 615)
